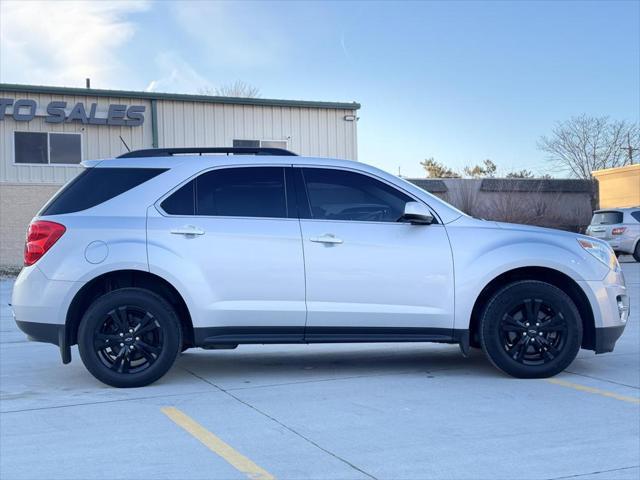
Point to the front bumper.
(609, 301)
(606, 338)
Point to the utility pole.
(629, 149)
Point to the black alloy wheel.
(129, 337)
(533, 333)
(129, 340)
(531, 329)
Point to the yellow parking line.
(216, 445)
(596, 391)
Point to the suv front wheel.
(531, 329)
(129, 337)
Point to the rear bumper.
(47, 333)
(622, 244)
(40, 307)
(43, 332)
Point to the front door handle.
(326, 238)
(187, 230)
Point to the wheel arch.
(113, 280)
(543, 274)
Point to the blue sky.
(459, 81)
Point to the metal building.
(45, 132)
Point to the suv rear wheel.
(129, 337)
(636, 252)
(531, 329)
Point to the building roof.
(180, 97)
(627, 169)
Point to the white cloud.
(177, 75)
(233, 34)
(63, 42)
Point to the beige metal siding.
(619, 187)
(312, 131)
(308, 131)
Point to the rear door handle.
(326, 238)
(187, 230)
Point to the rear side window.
(97, 185)
(606, 218)
(636, 214)
(232, 192)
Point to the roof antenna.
(124, 143)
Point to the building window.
(48, 148)
(246, 143)
(274, 144)
(31, 147)
(260, 143)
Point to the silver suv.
(620, 227)
(145, 255)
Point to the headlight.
(601, 251)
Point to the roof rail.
(168, 152)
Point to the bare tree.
(236, 89)
(437, 170)
(584, 144)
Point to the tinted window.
(606, 218)
(242, 192)
(182, 202)
(64, 148)
(343, 195)
(97, 185)
(636, 214)
(31, 147)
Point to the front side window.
(343, 195)
(47, 148)
(232, 192)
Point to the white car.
(157, 251)
(620, 227)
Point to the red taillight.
(41, 236)
(618, 230)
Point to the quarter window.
(232, 192)
(343, 195)
(47, 148)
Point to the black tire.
(129, 360)
(636, 252)
(531, 329)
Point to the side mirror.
(417, 214)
